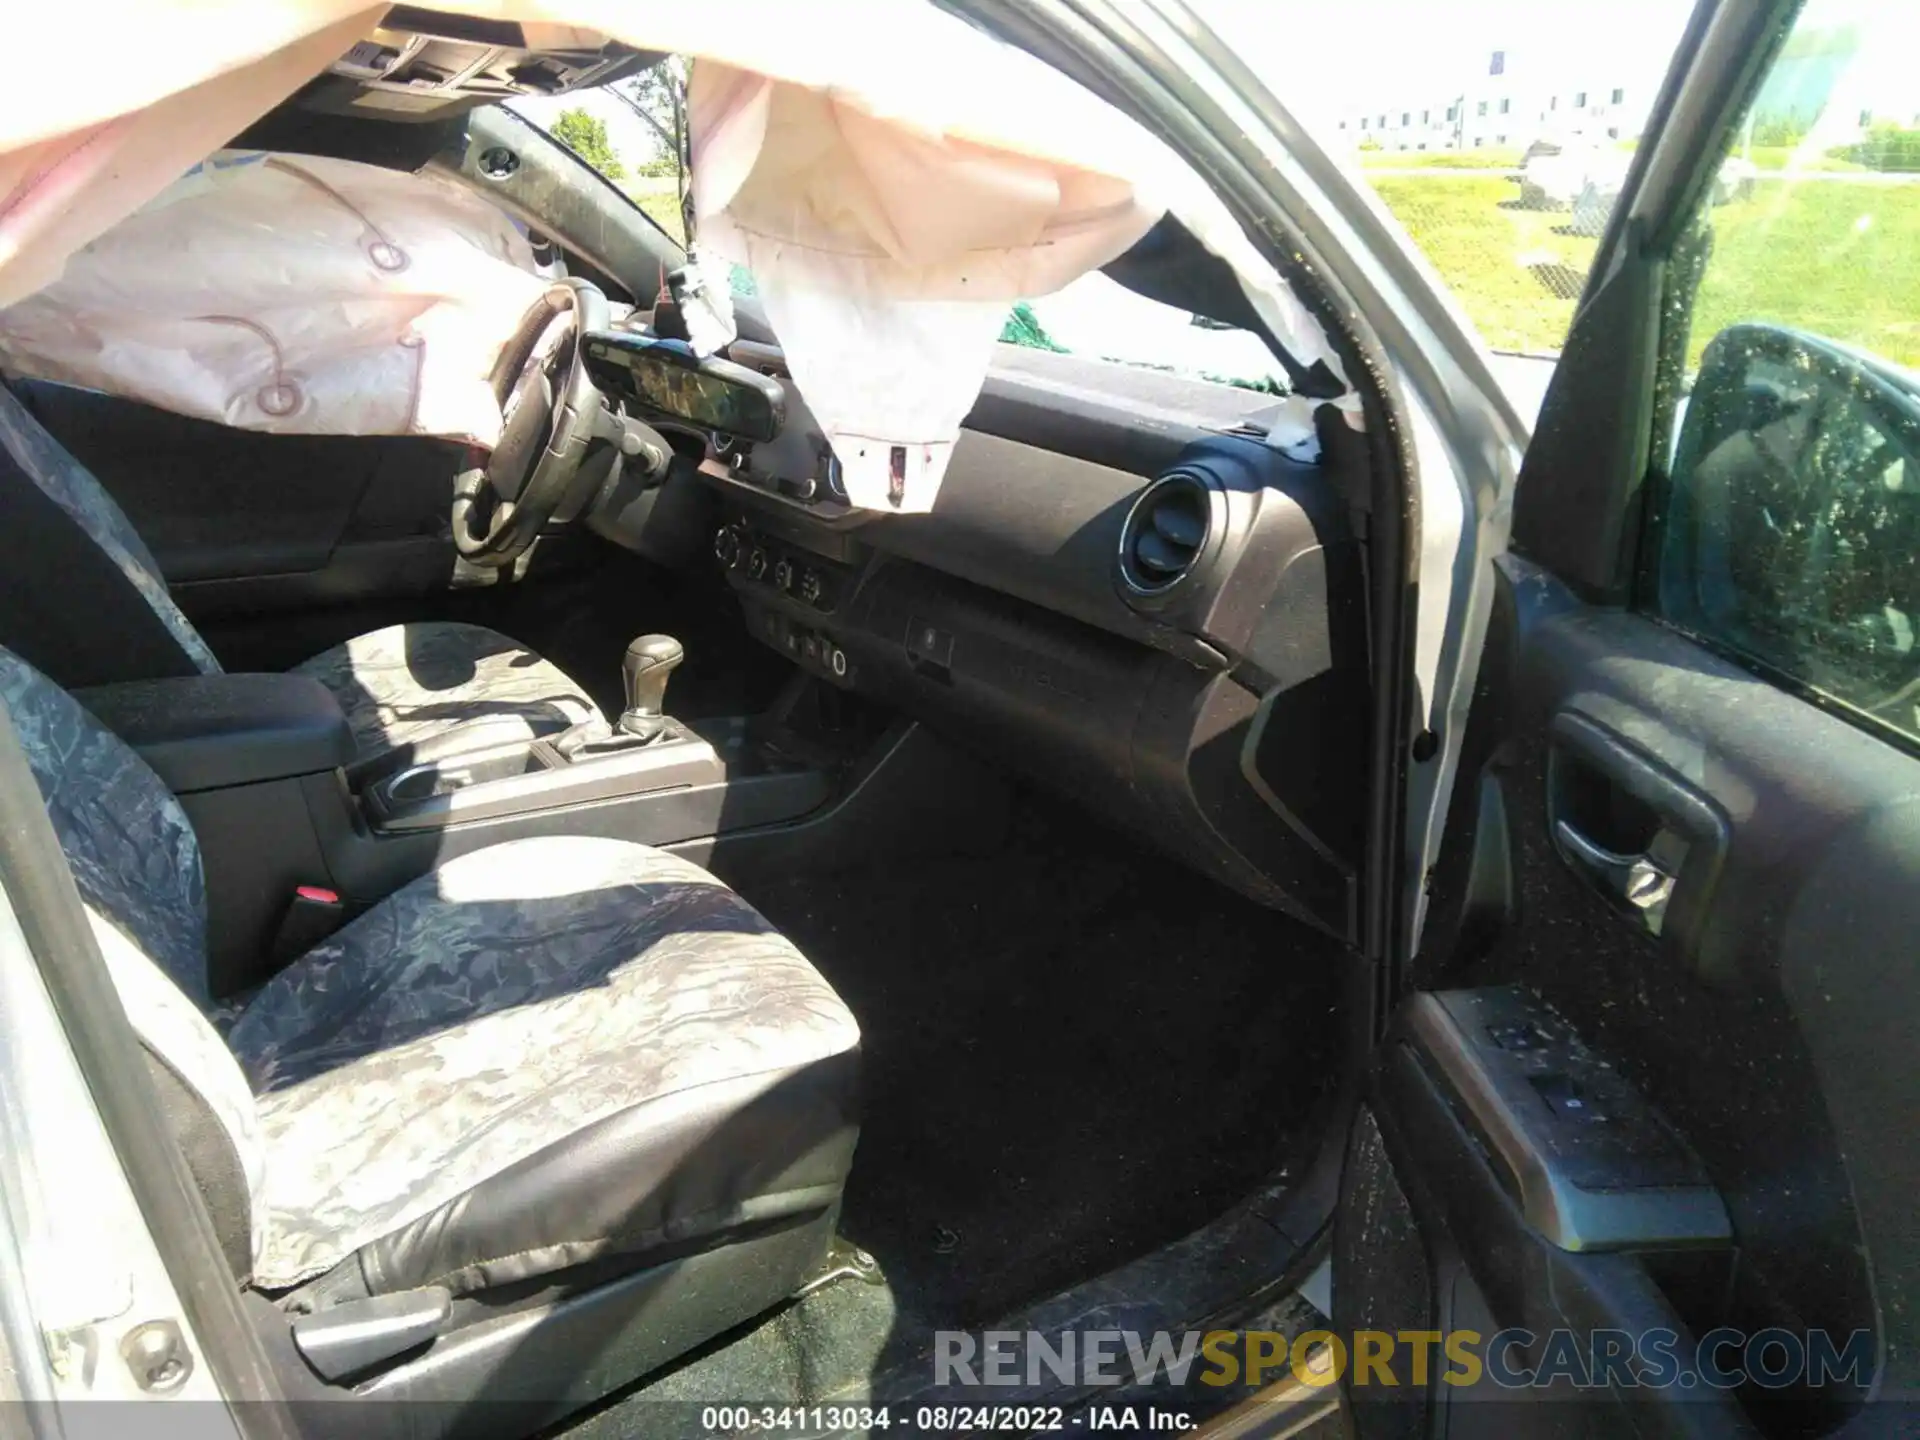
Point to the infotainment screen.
(667, 377)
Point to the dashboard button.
(836, 660)
(929, 644)
(726, 545)
(811, 587)
(783, 575)
(757, 564)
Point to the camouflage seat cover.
(407, 683)
(397, 686)
(544, 1053)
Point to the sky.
(1332, 61)
(1325, 61)
(1411, 48)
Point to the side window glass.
(1788, 526)
(1500, 137)
(1097, 318)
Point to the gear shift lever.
(649, 662)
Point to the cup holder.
(451, 773)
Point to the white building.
(1508, 104)
(1829, 86)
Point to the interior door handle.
(1641, 882)
(1673, 839)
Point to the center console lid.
(212, 732)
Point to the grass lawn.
(664, 211)
(1786, 157)
(656, 195)
(1513, 271)
(1488, 159)
(1836, 258)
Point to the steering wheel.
(551, 412)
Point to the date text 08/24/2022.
(937, 1419)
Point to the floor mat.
(1074, 1052)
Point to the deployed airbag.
(893, 178)
(291, 294)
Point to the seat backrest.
(136, 863)
(81, 597)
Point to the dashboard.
(1122, 592)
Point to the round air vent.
(1165, 533)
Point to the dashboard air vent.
(1165, 533)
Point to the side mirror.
(1792, 517)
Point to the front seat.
(575, 1091)
(82, 599)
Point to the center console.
(297, 835)
(238, 751)
(646, 778)
(697, 783)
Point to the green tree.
(586, 135)
(659, 97)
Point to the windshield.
(633, 132)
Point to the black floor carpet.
(1074, 1052)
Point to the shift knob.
(649, 661)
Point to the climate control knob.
(727, 541)
(757, 564)
(783, 575)
(811, 587)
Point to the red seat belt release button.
(314, 913)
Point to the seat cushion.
(542, 1052)
(406, 683)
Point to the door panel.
(1760, 1021)
(1768, 1023)
(1687, 827)
(242, 522)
